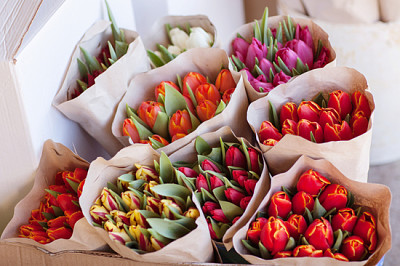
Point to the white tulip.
(179, 38)
(199, 38)
(174, 49)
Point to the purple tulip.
(280, 78)
(265, 66)
(261, 82)
(288, 56)
(305, 36)
(256, 49)
(250, 76)
(240, 56)
(322, 59)
(240, 46)
(303, 51)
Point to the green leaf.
(161, 125)
(264, 24)
(179, 81)
(264, 251)
(166, 55)
(191, 94)
(318, 210)
(189, 223)
(312, 138)
(286, 30)
(174, 100)
(233, 64)
(300, 67)
(207, 196)
(279, 33)
(230, 210)
(330, 212)
(113, 54)
(166, 169)
(43, 225)
(248, 245)
(76, 203)
(288, 191)
(83, 71)
(48, 216)
(83, 85)
(113, 188)
(318, 99)
(188, 181)
(219, 193)
(223, 150)
(171, 190)
(219, 228)
(167, 228)
(159, 237)
(114, 27)
(258, 70)
(240, 65)
(157, 61)
(120, 48)
(257, 31)
(137, 184)
(291, 244)
(221, 107)
(144, 133)
(52, 192)
(91, 61)
(194, 120)
(319, 48)
(291, 28)
(57, 211)
(273, 116)
(126, 177)
(198, 196)
(261, 214)
(283, 66)
(156, 144)
(74, 185)
(308, 216)
(338, 236)
(277, 68)
(304, 241)
(201, 146)
(168, 28)
(148, 214)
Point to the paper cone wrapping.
(208, 62)
(188, 154)
(55, 158)
(273, 22)
(390, 10)
(95, 108)
(193, 247)
(351, 157)
(375, 198)
(158, 33)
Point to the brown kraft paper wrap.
(206, 61)
(55, 158)
(193, 247)
(95, 107)
(351, 157)
(246, 31)
(188, 154)
(375, 198)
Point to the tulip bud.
(234, 196)
(201, 182)
(160, 89)
(323, 58)
(333, 196)
(188, 172)
(167, 205)
(266, 66)
(240, 45)
(296, 225)
(260, 84)
(303, 51)
(255, 161)
(159, 139)
(235, 157)
(26, 230)
(193, 79)
(225, 81)
(156, 244)
(146, 173)
(58, 233)
(130, 199)
(306, 251)
(178, 37)
(337, 256)
(255, 50)
(209, 92)
(240, 176)
(226, 97)
(142, 240)
(250, 185)
(244, 202)
(319, 234)
(192, 212)
(215, 182)
(210, 166)
(288, 56)
(300, 201)
(268, 131)
(283, 254)
(305, 128)
(344, 219)
(289, 111)
(98, 214)
(304, 35)
(359, 123)
(280, 205)
(274, 235)
(340, 101)
(289, 127)
(80, 188)
(212, 232)
(148, 112)
(337, 132)
(360, 103)
(198, 37)
(280, 78)
(139, 219)
(73, 217)
(219, 216)
(353, 248)
(206, 110)
(129, 129)
(66, 202)
(309, 110)
(209, 206)
(149, 188)
(178, 136)
(120, 217)
(180, 123)
(254, 232)
(153, 204)
(57, 222)
(329, 116)
(312, 182)
(270, 142)
(366, 229)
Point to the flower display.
(178, 109)
(274, 55)
(340, 118)
(315, 218)
(59, 210)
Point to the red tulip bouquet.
(50, 216)
(320, 117)
(165, 106)
(138, 207)
(272, 50)
(314, 211)
(103, 63)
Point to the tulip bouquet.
(180, 40)
(341, 117)
(314, 211)
(177, 111)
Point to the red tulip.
(340, 101)
(305, 128)
(235, 157)
(148, 112)
(353, 248)
(201, 182)
(250, 185)
(309, 110)
(73, 218)
(280, 78)
(188, 172)
(306, 251)
(270, 142)
(300, 201)
(57, 222)
(206, 110)
(283, 254)
(193, 79)
(255, 160)
(66, 202)
(36, 217)
(289, 127)
(215, 182)
(180, 123)
(320, 234)
(160, 89)
(80, 188)
(244, 202)
(337, 132)
(366, 229)
(360, 103)
(312, 182)
(344, 219)
(254, 232)
(280, 205)
(359, 123)
(234, 196)
(329, 116)
(304, 52)
(210, 206)
(289, 111)
(210, 166)
(224, 81)
(240, 176)
(212, 232)
(129, 129)
(60, 232)
(333, 196)
(268, 131)
(226, 97)
(274, 235)
(219, 216)
(28, 229)
(337, 256)
(296, 225)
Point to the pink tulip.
(303, 51)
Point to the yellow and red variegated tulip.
(234, 196)
(333, 196)
(120, 217)
(341, 102)
(320, 234)
(312, 182)
(345, 219)
(98, 214)
(280, 205)
(359, 123)
(337, 256)
(337, 132)
(300, 201)
(254, 232)
(160, 89)
(289, 111)
(366, 229)
(121, 237)
(146, 173)
(108, 201)
(353, 248)
(193, 79)
(154, 205)
(274, 235)
(167, 205)
(235, 157)
(129, 129)
(209, 92)
(305, 128)
(307, 251)
(192, 212)
(296, 225)
(225, 81)
(180, 123)
(289, 127)
(308, 110)
(59, 232)
(148, 112)
(360, 103)
(131, 200)
(270, 142)
(268, 131)
(226, 97)
(283, 254)
(138, 219)
(329, 116)
(206, 110)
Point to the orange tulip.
(209, 92)
(129, 129)
(148, 112)
(180, 123)
(206, 110)
(226, 97)
(160, 89)
(224, 81)
(193, 79)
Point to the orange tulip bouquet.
(323, 113)
(313, 211)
